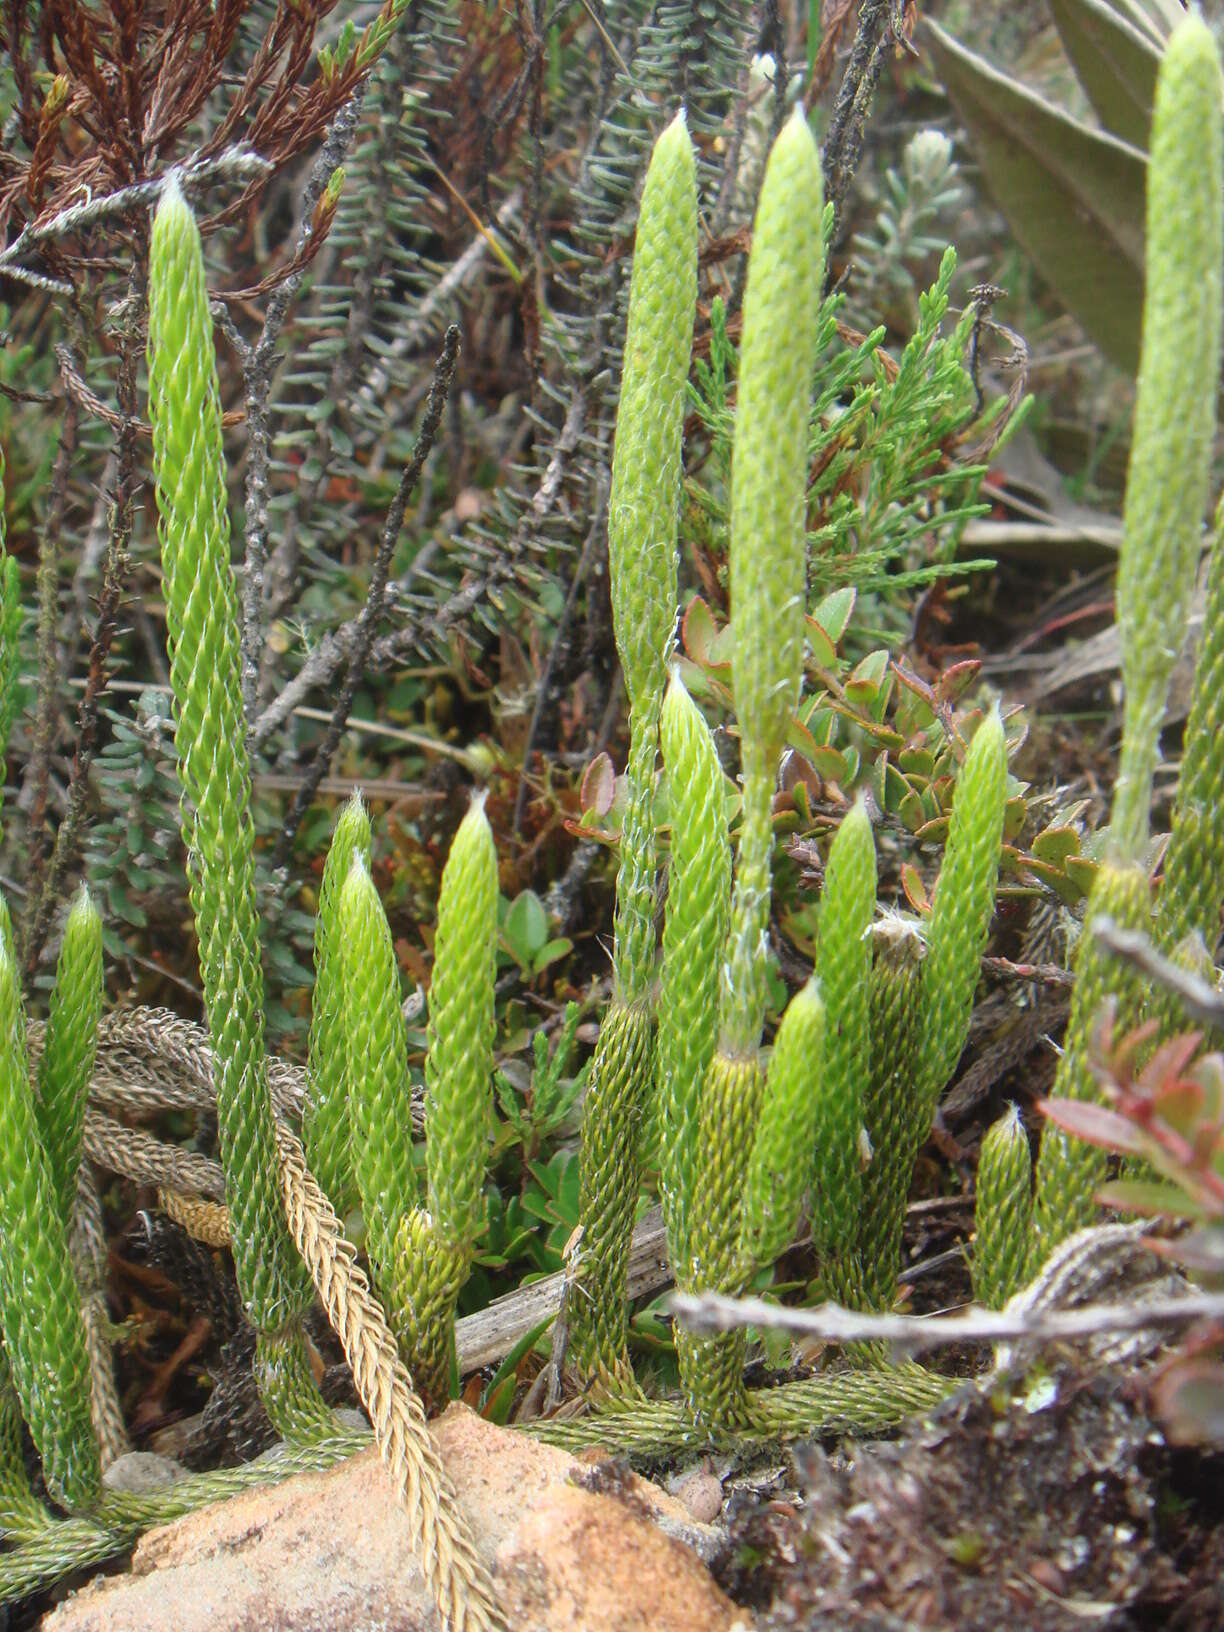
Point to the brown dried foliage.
(129, 80)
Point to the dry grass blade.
(443, 1546)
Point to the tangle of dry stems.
(153, 1060)
(442, 1542)
(139, 1156)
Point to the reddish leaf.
(1150, 1198)
(954, 682)
(1096, 1124)
(1202, 1250)
(1190, 1398)
(704, 641)
(915, 889)
(598, 786)
(1171, 1059)
(822, 649)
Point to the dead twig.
(1198, 997)
(363, 638)
(711, 1312)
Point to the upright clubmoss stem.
(643, 511)
(434, 1250)
(844, 965)
(1001, 1214)
(68, 1055)
(459, 1060)
(768, 554)
(210, 735)
(694, 933)
(1193, 884)
(1175, 409)
(963, 907)
(895, 1107)
(44, 1332)
(768, 567)
(380, 1096)
(1166, 497)
(779, 1168)
(326, 1131)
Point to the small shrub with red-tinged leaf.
(1166, 1116)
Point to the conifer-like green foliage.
(1001, 1214)
(694, 932)
(642, 523)
(203, 624)
(67, 1062)
(880, 494)
(326, 1124)
(964, 905)
(778, 1170)
(459, 1061)
(1175, 409)
(44, 1334)
(843, 964)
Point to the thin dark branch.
(38, 775)
(1043, 974)
(544, 688)
(773, 44)
(444, 373)
(257, 362)
(329, 656)
(879, 24)
(281, 569)
(114, 576)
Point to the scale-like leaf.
(1074, 196)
